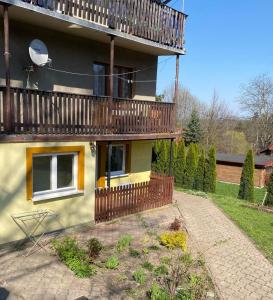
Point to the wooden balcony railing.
(39, 112)
(125, 200)
(147, 19)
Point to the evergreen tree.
(200, 172)
(246, 190)
(210, 171)
(269, 197)
(190, 167)
(180, 163)
(163, 158)
(193, 134)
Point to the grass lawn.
(257, 225)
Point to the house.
(229, 168)
(77, 108)
(268, 150)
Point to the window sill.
(56, 195)
(118, 176)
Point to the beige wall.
(71, 210)
(73, 54)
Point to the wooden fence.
(39, 112)
(125, 200)
(147, 19)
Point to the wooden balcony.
(40, 113)
(147, 19)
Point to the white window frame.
(55, 192)
(121, 172)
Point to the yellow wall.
(71, 210)
(141, 157)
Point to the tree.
(190, 167)
(193, 133)
(269, 197)
(257, 100)
(246, 190)
(210, 171)
(200, 172)
(180, 160)
(161, 157)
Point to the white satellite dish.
(38, 53)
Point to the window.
(117, 160)
(122, 83)
(54, 172)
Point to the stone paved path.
(239, 270)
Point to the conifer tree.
(200, 172)
(210, 171)
(246, 190)
(193, 134)
(163, 158)
(180, 163)
(190, 167)
(269, 197)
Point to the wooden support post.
(8, 111)
(176, 87)
(109, 153)
(111, 80)
(171, 159)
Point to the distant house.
(229, 168)
(268, 150)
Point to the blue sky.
(228, 42)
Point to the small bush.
(158, 293)
(73, 257)
(94, 247)
(145, 251)
(161, 270)
(148, 266)
(154, 247)
(171, 240)
(140, 276)
(175, 225)
(134, 252)
(124, 242)
(112, 263)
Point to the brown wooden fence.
(125, 200)
(39, 112)
(143, 18)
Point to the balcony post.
(176, 87)
(109, 153)
(111, 80)
(171, 159)
(8, 112)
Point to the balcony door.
(122, 81)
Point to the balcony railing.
(39, 112)
(147, 19)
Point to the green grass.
(256, 224)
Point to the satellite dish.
(38, 53)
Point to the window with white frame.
(54, 175)
(117, 160)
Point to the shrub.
(269, 196)
(246, 190)
(73, 257)
(158, 293)
(175, 225)
(124, 242)
(179, 163)
(210, 171)
(148, 266)
(200, 172)
(112, 262)
(140, 276)
(134, 252)
(161, 270)
(171, 240)
(94, 247)
(190, 167)
(154, 247)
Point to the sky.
(228, 42)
